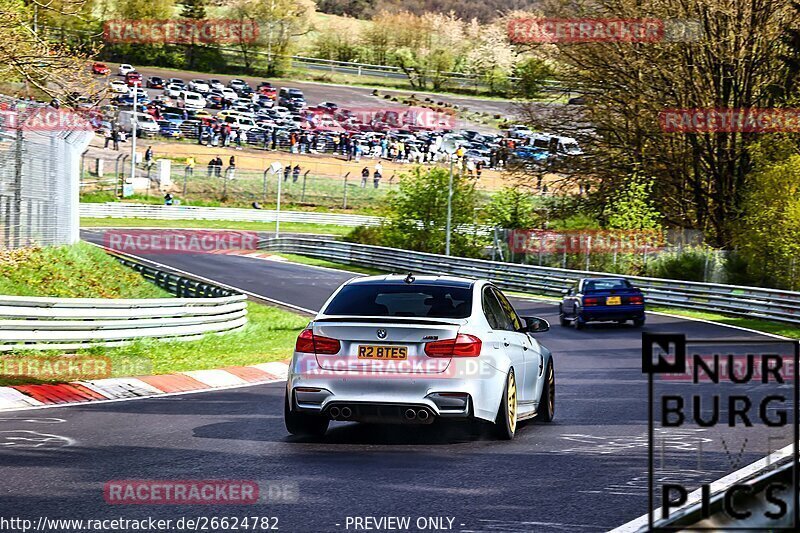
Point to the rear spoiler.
(396, 320)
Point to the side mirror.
(535, 324)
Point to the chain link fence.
(40, 153)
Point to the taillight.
(462, 346)
(307, 342)
(588, 300)
(636, 300)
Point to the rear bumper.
(612, 312)
(455, 393)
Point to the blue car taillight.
(590, 300)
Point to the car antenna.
(410, 278)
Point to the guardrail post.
(303, 193)
(264, 186)
(344, 200)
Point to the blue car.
(601, 300)
(531, 154)
(169, 129)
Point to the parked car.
(169, 129)
(406, 350)
(602, 299)
(125, 69)
(174, 118)
(291, 98)
(145, 124)
(155, 82)
(191, 100)
(133, 79)
(267, 90)
(118, 87)
(173, 90)
(214, 83)
(177, 81)
(100, 69)
(199, 86)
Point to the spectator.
(211, 165)
(376, 178)
(478, 169)
(115, 137)
(200, 129)
(470, 167)
(378, 168)
(168, 200)
(364, 177)
(190, 166)
(293, 143)
(274, 136)
(231, 167)
(148, 157)
(286, 172)
(295, 173)
(218, 167)
(109, 136)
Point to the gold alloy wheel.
(512, 402)
(551, 397)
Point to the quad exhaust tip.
(335, 412)
(346, 412)
(410, 414)
(423, 414)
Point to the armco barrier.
(750, 302)
(174, 212)
(35, 323)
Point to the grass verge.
(313, 261)
(76, 271)
(286, 227)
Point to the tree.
(280, 22)
(768, 230)
(193, 10)
(417, 213)
(532, 73)
(631, 207)
(492, 57)
(28, 56)
(742, 56)
(512, 208)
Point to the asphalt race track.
(587, 471)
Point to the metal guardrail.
(748, 302)
(36, 323)
(173, 212)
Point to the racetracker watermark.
(58, 368)
(199, 492)
(743, 400)
(183, 31)
(180, 241)
(403, 117)
(20, 117)
(586, 30)
(735, 120)
(592, 241)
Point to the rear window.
(414, 300)
(606, 285)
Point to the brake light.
(587, 300)
(462, 346)
(307, 342)
(636, 300)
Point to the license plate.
(383, 352)
(613, 300)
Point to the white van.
(241, 122)
(145, 124)
(191, 100)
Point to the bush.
(689, 265)
(365, 235)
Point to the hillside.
(483, 10)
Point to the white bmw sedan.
(395, 349)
